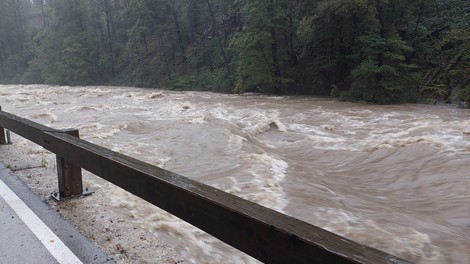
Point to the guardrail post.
(69, 176)
(2, 134)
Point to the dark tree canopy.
(381, 51)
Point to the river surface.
(392, 177)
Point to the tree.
(445, 58)
(382, 51)
(330, 48)
(383, 76)
(15, 50)
(359, 46)
(262, 50)
(219, 40)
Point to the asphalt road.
(33, 232)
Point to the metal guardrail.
(262, 233)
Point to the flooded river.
(392, 177)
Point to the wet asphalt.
(18, 244)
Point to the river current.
(396, 178)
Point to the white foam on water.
(303, 128)
(171, 109)
(444, 136)
(111, 131)
(157, 155)
(354, 134)
(91, 127)
(196, 119)
(128, 120)
(194, 244)
(219, 112)
(48, 117)
(156, 95)
(391, 238)
(257, 121)
(236, 142)
(93, 108)
(265, 187)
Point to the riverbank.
(123, 241)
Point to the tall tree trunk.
(19, 23)
(43, 13)
(207, 55)
(418, 20)
(110, 38)
(354, 31)
(2, 67)
(178, 31)
(380, 55)
(194, 19)
(275, 58)
(78, 5)
(165, 59)
(214, 25)
(291, 36)
(144, 39)
(104, 41)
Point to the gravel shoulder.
(106, 226)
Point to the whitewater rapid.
(392, 177)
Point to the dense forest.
(381, 51)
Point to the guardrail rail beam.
(262, 233)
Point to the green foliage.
(335, 92)
(381, 51)
(34, 73)
(306, 30)
(377, 84)
(75, 57)
(434, 93)
(203, 80)
(254, 64)
(383, 76)
(464, 94)
(15, 51)
(262, 54)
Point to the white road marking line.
(52, 243)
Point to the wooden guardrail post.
(69, 175)
(2, 133)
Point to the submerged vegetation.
(381, 51)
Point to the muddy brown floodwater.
(396, 178)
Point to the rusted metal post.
(2, 133)
(69, 175)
